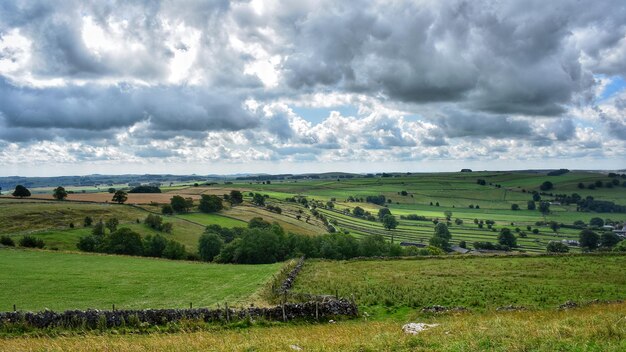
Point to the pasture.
(592, 328)
(36, 280)
(482, 283)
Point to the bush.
(167, 209)
(31, 242)
(557, 247)
(7, 241)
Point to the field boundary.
(97, 319)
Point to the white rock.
(414, 328)
(295, 347)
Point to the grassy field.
(35, 280)
(592, 328)
(472, 282)
(454, 192)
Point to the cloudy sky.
(304, 86)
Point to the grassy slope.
(474, 282)
(35, 280)
(593, 328)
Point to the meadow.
(482, 283)
(591, 328)
(36, 280)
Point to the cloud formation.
(220, 81)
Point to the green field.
(472, 282)
(35, 280)
(454, 192)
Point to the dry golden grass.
(593, 328)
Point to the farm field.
(591, 328)
(36, 280)
(483, 283)
(454, 192)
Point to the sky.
(224, 87)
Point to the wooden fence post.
(317, 314)
(227, 313)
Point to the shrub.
(31, 242)
(7, 241)
(557, 247)
(514, 206)
(167, 209)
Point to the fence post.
(190, 305)
(14, 308)
(113, 307)
(227, 313)
(317, 314)
(283, 307)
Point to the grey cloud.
(458, 124)
(94, 107)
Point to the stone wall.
(313, 310)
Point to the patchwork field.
(36, 280)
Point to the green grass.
(213, 219)
(472, 282)
(35, 280)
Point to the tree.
(609, 239)
(588, 239)
(120, 197)
(124, 241)
(174, 250)
(258, 199)
(59, 193)
(536, 197)
(531, 205)
(112, 223)
(442, 236)
(209, 246)
(557, 247)
(358, 211)
(390, 222)
(154, 246)
(21, 191)
(382, 212)
(236, 197)
(546, 186)
(88, 221)
(210, 204)
(98, 229)
(258, 223)
(507, 238)
(514, 207)
(596, 222)
(447, 214)
(112, 190)
(544, 208)
(179, 204)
